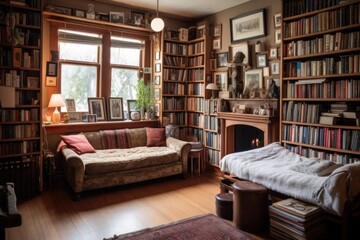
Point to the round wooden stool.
(224, 205)
(250, 206)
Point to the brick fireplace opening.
(247, 138)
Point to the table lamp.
(213, 87)
(56, 101)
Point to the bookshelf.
(184, 71)
(320, 79)
(20, 86)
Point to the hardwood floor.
(98, 214)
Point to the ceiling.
(183, 8)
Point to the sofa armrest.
(182, 148)
(74, 169)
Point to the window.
(126, 57)
(79, 66)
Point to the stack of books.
(293, 219)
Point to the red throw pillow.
(155, 137)
(78, 143)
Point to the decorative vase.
(135, 116)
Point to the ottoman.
(224, 205)
(250, 206)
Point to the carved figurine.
(236, 71)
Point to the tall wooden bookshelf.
(20, 81)
(184, 71)
(320, 62)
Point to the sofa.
(94, 160)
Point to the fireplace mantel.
(269, 125)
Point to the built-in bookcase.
(20, 84)
(320, 94)
(184, 71)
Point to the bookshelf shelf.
(320, 75)
(20, 122)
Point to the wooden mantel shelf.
(56, 17)
(246, 117)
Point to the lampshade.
(212, 86)
(157, 24)
(56, 101)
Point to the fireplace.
(241, 132)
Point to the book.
(353, 115)
(298, 208)
(329, 120)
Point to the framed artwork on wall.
(242, 47)
(261, 60)
(277, 20)
(221, 59)
(217, 43)
(217, 30)
(117, 17)
(248, 26)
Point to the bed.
(321, 182)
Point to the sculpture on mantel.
(236, 71)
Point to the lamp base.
(56, 116)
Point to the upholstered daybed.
(108, 158)
(319, 182)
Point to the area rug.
(207, 226)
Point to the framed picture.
(97, 107)
(261, 60)
(70, 105)
(137, 17)
(117, 17)
(217, 43)
(217, 30)
(253, 83)
(90, 118)
(50, 82)
(221, 80)
(277, 36)
(79, 13)
(248, 26)
(51, 69)
(242, 47)
(275, 68)
(62, 10)
(212, 64)
(75, 116)
(157, 55)
(157, 79)
(115, 108)
(131, 105)
(266, 71)
(157, 67)
(221, 59)
(277, 20)
(273, 53)
(33, 82)
(157, 94)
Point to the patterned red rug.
(207, 226)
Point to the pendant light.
(157, 24)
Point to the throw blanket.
(119, 138)
(272, 167)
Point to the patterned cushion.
(155, 137)
(115, 160)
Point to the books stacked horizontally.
(293, 219)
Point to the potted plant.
(145, 97)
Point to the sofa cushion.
(116, 160)
(155, 137)
(78, 143)
(138, 137)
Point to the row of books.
(296, 7)
(294, 219)
(26, 38)
(186, 34)
(322, 88)
(24, 173)
(195, 119)
(196, 74)
(213, 140)
(174, 61)
(173, 88)
(195, 104)
(177, 118)
(173, 103)
(19, 79)
(22, 147)
(175, 48)
(195, 89)
(196, 48)
(314, 153)
(344, 139)
(27, 97)
(326, 66)
(212, 106)
(26, 58)
(195, 131)
(323, 21)
(301, 112)
(19, 131)
(213, 155)
(19, 115)
(175, 74)
(25, 3)
(328, 43)
(27, 18)
(196, 61)
(211, 123)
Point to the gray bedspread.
(280, 170)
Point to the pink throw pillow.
(155, 137)
(78, 143)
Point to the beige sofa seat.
(115, 160)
